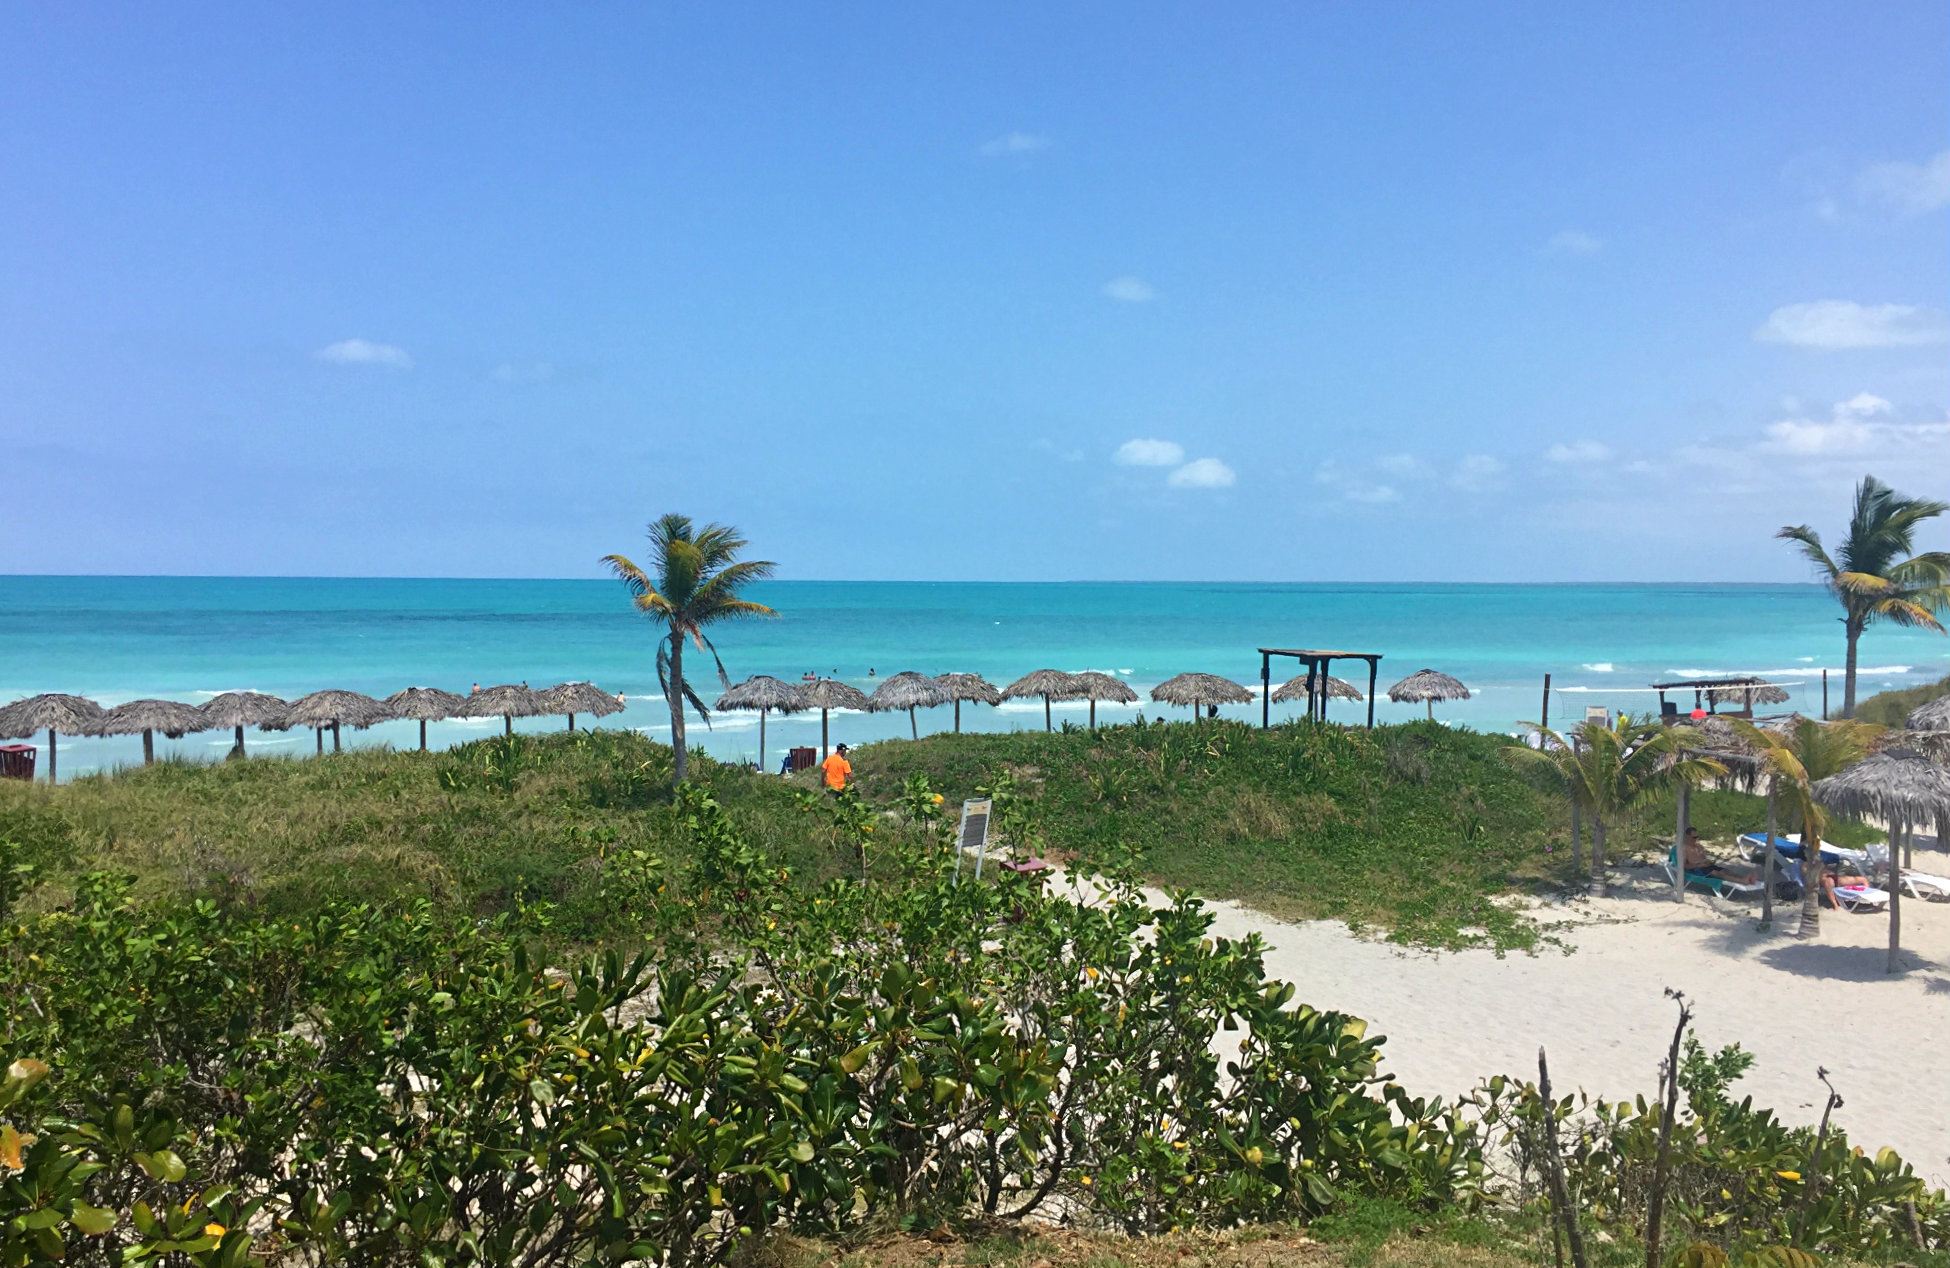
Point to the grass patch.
(1892, 708)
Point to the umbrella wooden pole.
(822, 735)
(1093, 713)
(1047, 726)
(1431, 703)
(336, 747)
(572, 721)
(50, 755)
(507, 724)
(423, 735)
(1897, 829)
(913, 728)
(957, 715)
(318, 736)
(238, 748)
(148, 748)
(761, 741)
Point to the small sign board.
(1597, 713)
(973, 834)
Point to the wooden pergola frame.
(1701, 687)
(1317, 663)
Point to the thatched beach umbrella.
(424, 705)
(1429, 686)
(970, 687)
(910, 691)
(827, 694)
(239, 709)
(52, 712)
(1094, 685)
(1050, 684)
(146, 717)
(507, 702)
(767, 695)
(1934, 716)
(1760, 693)
(1300, 687)
(333, 709)
(1198, 690)
(572, 698)
(1900, 787)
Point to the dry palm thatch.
(1902, 788)
(507, 702)
(1759, 693)
(1429, 686)
(1298, 688)
(239, 709)
(1050, 684)
(971, 687)
(1198, 690)
(1934, 716)
(767, 695)
(571, 698)
(1094, 685)
(910, 691)
(146, 717)
(333, 709)
(827, 694)
(53, 712)
(424, 705)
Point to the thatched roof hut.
(424, 705)
(146, 717)
(1429, 686)
(1198, 690)
(571, 698)
(910, 691)
(827, 694)
(53, 712)
(767, 695)
(971, 687)
(333, 709)
(1094, 685)
(1934, 716)
(1050, 684)
(507, 702)
(1299, 687)
(239, 709)
(1902, 788)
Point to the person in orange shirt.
(838, 770)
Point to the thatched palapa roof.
(52, 711)
(580, 697)
(171, 717)
(1053, 684)
(907, 690)
(1427, 684)
(1934, 716)
(969, 687)
(1198, 689)
(334, 708)
(243, 708)
(1094, 684)
(425, 704)
(762, 691)
(1894, 784)
(1763, 693)
(509, 700)
(1296, 688)
(831, 693)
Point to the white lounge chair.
(1924, 885)
(1851, 897)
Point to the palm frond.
(1811, 548)
(1908, 613)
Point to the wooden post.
(1547, 700)
(1374, 672)
(423, 734)
(335, 736)
(1767, 864)
(1046, 721)
(822, 735)
(1265, 691)
(238, 747)
(572, 721)
(50, 755)
(1896, 830)
(957, 715)
(148, 747)
(761, 741)
(507, 727)
(1679, 844)
(1824, 695)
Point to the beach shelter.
(1050, 684)
(1428, 686)
(1902, 788)
(1300, 688)
(146, 717)
(572, 698)
(424, 705)
(53, 712)
(910, 691)
(971, 687)
(1199, 690)
(1934, 716)
(1094, 685)
(322, 709)
(767, 695)
(507, 702)
(239, 709)
(1746, 696)
(827, 694)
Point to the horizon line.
(979, 581)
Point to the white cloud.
(1203, 473)
(1910, 189)
(1478, 472)
(522, 372)
(1580, 452)
(1149, 453)
(365, 352)
(1834, 324)
(1372, 494)
(1353, 488)
(1405, 465)
(1013, 143)
(1862, 429)
(1573, 242)
(1129, 290)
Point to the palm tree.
(1612, 765)
(1793, 760)
(694, 578)
(1555, 764)
(1872, 571)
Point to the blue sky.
(1441, 291)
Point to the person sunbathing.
(1699, 862)
(1840, 875)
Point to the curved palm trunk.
(1685, 801)
(1848, 668)
(1767, 866)
(680, 759)
(1810, 884)
(1598, 880)
(1577, 844)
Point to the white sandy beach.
(1453, 1018)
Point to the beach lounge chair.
(1851, 897)
(1925, 885)
(1721, 886)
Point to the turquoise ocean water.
(116, 639)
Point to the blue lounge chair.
(1721, 886)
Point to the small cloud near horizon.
(1909, 189)
(1130, 290)
(1013, 143)
(1145, 452)
(1579, 452)
(365, 352)
(1203, 473)
(1573, 242)
(1832, 325)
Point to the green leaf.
(92, 1220)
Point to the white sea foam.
(1601, 667)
